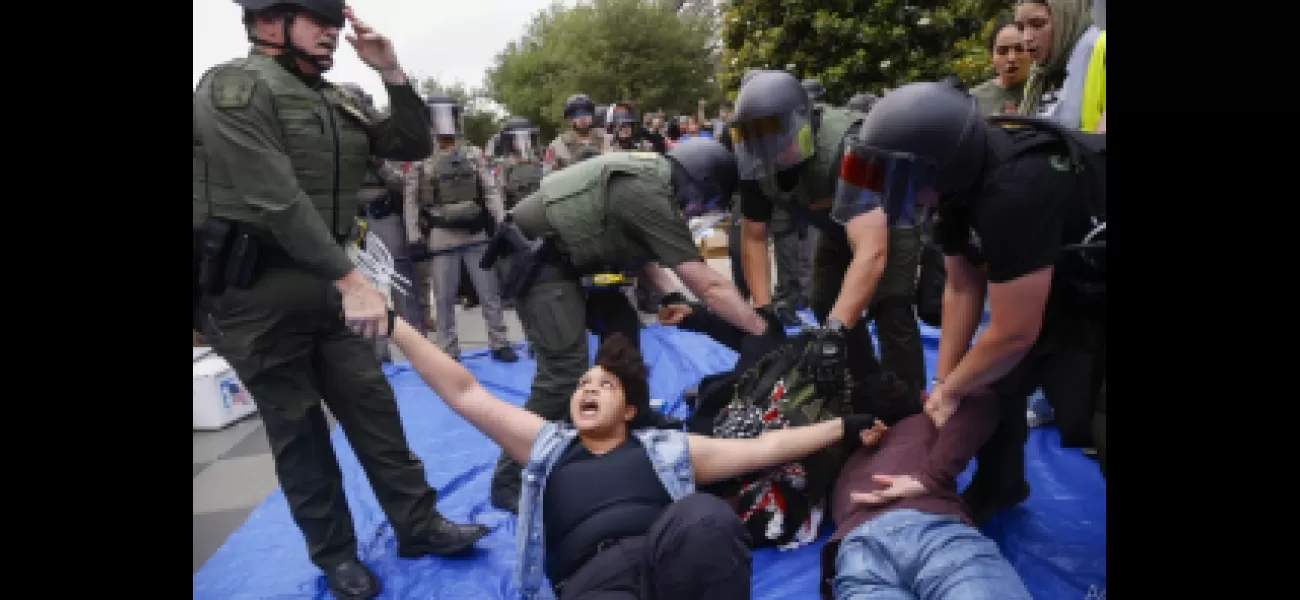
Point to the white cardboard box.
(219, 397)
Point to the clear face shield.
(767, 145)
(522, 142)
(893, 181)
(444, 119)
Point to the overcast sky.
(453, 40)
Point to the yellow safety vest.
(1094, 87)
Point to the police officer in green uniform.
(605, 216)
(380, 211)
(789, 156)
(279, 158)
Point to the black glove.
(854, 425)
(754, 347)
(825, 359)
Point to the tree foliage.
(481, 123)
(611, 50)
(853, 46)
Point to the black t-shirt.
(590, 499)
(1016, 222)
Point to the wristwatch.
(834, 325)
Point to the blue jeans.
(911, 555)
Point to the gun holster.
(530, 256)
(227, 257)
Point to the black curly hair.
(620, 357)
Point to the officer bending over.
(611, 507)
(588, 226)
(1010, 206)
(867, 253)
(280, 155)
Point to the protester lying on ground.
(902, 529)
(608, 500)
(768, 389)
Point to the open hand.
(372, 47)
(896, 487)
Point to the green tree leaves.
(611, 50)
(854, 46)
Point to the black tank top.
(590, 499)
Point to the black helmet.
(771, 129)
(753, 72)
(518, 136)
(704, 175)
(444, 115)
(814, 89)
(579, 103)
(862, 102)
(937, 122)
(328, 11)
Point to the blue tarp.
(1056, 540)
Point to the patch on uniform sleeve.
(232, 88)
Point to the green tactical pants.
(784, 229)
(891, 306)
(286, 339)
(556, 315)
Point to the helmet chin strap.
(322, 63)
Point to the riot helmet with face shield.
(703, 176)
(771, 129)
(580, 111)
(519, 138)
(624, 124)
(444, 116)
(920, 142)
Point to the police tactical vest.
(578, 150)
(320, 129)
(451, 178)
(521, 179)
(577, 205)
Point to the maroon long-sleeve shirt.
(913, 446)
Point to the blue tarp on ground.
(1056, 540)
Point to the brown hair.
(618, 356)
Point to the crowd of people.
(579, 236)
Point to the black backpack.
(773, 394)
(1083, 261)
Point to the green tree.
(853, 46)
(481, 122)
(612, 50)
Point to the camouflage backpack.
(775, 394)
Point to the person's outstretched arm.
(716, 459)
(510, 426)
